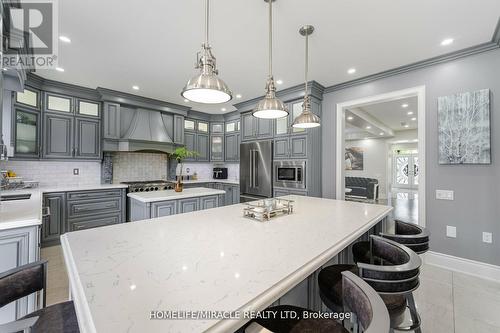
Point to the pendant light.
(270, 107)
(207, 87)
(307, 119)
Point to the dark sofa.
(362, 187)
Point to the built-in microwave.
(290, 174)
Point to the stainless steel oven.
(290, 174)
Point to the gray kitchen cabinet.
(298, 146)
(236, 194)
(190, 125)
(202, 147)
(255, 128)
(111, 121)
(178, 129)
(53, 221)
(188, 205)
(290, 147)
(280, 192)
(164, 208)
(283, 126)
(58, 136)
(217, 148)
(232, 147)
(98, 221)
(88, 139)
(208, 202)
(217, 128)
(78, 210)
(190, 144)
(18, 246)
(26, 132)
(87, 108)
(58, 103)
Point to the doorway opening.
(381, 152)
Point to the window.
(28, 97)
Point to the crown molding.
(289, 94)
(496, 34)
(489, 46)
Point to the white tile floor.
(448, 302)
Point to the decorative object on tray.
(464, 128)
(354, 158)
(264, 210)
(180, 154)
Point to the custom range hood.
(144, 130)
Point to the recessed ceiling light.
(368, 127)
(410, 113)
(59, 69)
(186, 100)
(350, 118)
(238, 96)
(381, 133)
(415, 140)
(414, 118)
(5, 69)
(279, 81)
(406, 126)
(135, 87)
(223, 109)
(65, 39)
(447, 41)
(351, 71)
(404, 105)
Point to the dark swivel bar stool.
(411, 235)
(357, 298)
(26, 280)
(390, 268)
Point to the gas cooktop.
(149, 185)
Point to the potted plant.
(180, 154)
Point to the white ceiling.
(152, 44)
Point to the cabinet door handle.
(47, 211)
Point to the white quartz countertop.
(166, 195)
(213, 259)
(21, 213)
(223, 181)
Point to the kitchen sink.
(11, 197)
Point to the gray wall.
(476, 207)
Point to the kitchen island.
(206, 260)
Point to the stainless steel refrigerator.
(256, 168)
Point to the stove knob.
(147, 190)
(156, 188)
(141, 189)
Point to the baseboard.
(462, 265)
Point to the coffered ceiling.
(117, 44)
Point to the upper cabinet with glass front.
(202, 126)
(283, 126)
(232, 126)
(88, 108)
(58, 103)
(28, 97)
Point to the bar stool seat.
(57, 318)
(287, 325)
(411, 235)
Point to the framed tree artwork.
(464, 128)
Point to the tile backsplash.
(52, 173)
(139, 166)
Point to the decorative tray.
(264, 210)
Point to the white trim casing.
(462, 265)
(419, 92)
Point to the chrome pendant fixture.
(270, 107)
(207, 87)
(307, 119)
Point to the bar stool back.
(358, 298)
(413, 236)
